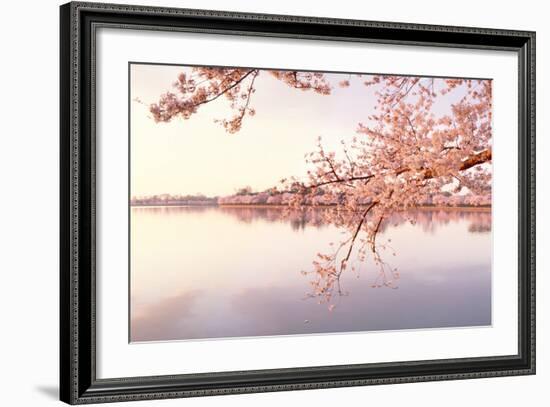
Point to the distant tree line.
(273, 196)
(174, 200)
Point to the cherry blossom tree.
(403, 155)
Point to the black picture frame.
(78, 382)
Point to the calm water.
(208, 272)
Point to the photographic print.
(290, 202)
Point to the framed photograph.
(255, 203)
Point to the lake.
(215, 272)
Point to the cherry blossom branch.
(236, 83)
(215, 82)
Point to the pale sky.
(197, 155)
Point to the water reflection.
(209, 272)
(479, 219)
(164, 319)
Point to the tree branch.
(479, 158)
(341, 180)
(242, 78)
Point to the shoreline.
(278, 206)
